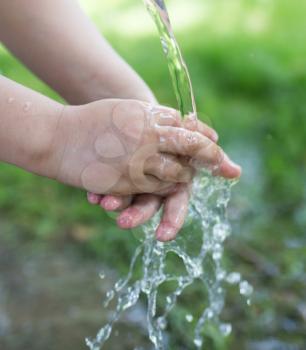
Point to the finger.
(148, 184)
(194, 124)
(182, 142)
(168, 168)
(202, 150)
(141, 182)
(143, 208)
(115, 203)
(228, 168)
(174, 214)
(162, 188)
(164, 116)
(94, 198)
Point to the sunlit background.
(248, 67)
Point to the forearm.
(59, 43)
(28, 122)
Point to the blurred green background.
(247, 63)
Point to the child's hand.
(136, 211)
(124, 147)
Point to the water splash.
(208, 211)
(200, 251)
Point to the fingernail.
(191, 122)
(166, 119)
(214, 136)
(192, 117)
(165, 232)
(129, 218)
(110, 203)
(93, 198)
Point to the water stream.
(178, 69)
(200, 251)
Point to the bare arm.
(28, 122)
(57, 41)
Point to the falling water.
(200, 251)
(178, 70)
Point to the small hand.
(175, 205)
(124, 147)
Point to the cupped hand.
(117, 147)
(137, 210)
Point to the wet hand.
(124, 147)
(138, 210)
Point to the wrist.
(28, 123)
(32, 146)
(44, 152)
(97, 85)
(72, 145)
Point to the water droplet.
(119, 285)
(157, 251)
(198, 342)
(209, 313)
(221, 231)
(109, 294)
(27, 106)
(245, 288)
(109, 297)
(220, 290)
(102, 275)
(225, 329)
(189, 318)
(233, 278)
(104, 333)
(165, 46)
(217, 252)
(197, 270)
(220, 275)
(145, 286)
(162, 323)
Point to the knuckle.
(165, 116)
(173, 170)
(152, 163)
(191, 122)
(192, 140)
(128, 117)
(177, 117)
(185, 175)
